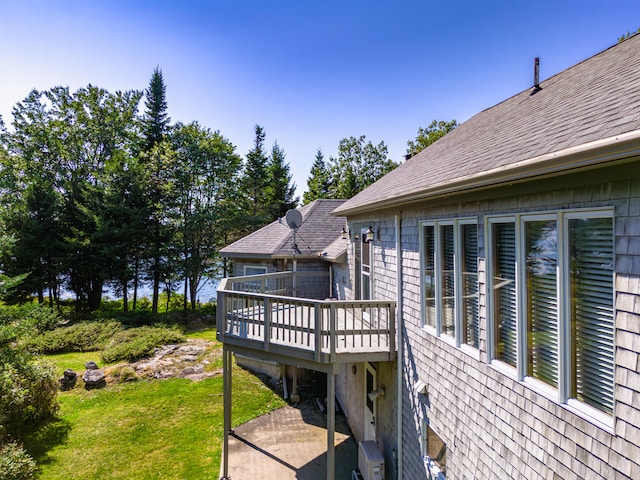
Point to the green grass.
(162, 429)
(74, 360)
(205, 334)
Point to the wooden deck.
(309, 330)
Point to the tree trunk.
(94, 296)
(135, 283)
(156, 291)
(184, 300)
(193, 292)
(125, 297)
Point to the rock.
(68, 380)
(94, 379)
(91, 365)
(189, 371)
(188, 358)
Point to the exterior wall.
(493, 425)
(238, 265)
(350, 386)
(311, 287)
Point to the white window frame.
(561, 394)
(438, 331)
(256, 267)
(432, 467)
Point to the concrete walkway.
(290, 443)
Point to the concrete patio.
(290, 443)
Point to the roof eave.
(578, 157)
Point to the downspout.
(330, 281)
(399, 344)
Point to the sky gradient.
(310, 73)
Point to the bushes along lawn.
(162, 429)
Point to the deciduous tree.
(426, 136)
(358, 165)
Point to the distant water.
(206, 292)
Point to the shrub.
(18, 321)
(136, 343)
(28, 391)
(15, 463)
(81, 337)
(123, 373)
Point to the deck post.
(226, 383)
(317, 312)
(331, 425)
(221, 316)
(332, 332)
(267, 323)
(392, 332)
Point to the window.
(434, 452)
(254, 270)
(365, 267)
(554, 321)
(590, 287)
(541, 250)
(450, 279)
(502, 239)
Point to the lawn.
(161, 429)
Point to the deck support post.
(226, 382)
(331, 425)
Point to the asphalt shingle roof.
(596, 99)
(320, 233)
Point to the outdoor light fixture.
(376, 393)
(344, 234)
(368, 235)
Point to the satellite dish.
(293, 219)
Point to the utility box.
(370, 461)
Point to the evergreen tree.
(254, 183)
(155, 123)
(59, 151)
(318, 182)
(280, 193)
(155, 126)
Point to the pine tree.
(280, 193)
(155, 123)
(254, 183)
(318, 182)
(155, 126)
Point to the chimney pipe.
(536, 77)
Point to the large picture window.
(450, 279)
(551, 302)
(541, 250)
(502, 239)
(590, 286)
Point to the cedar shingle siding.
(571, 147)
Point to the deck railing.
(268, 313)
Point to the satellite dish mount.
(294, 221)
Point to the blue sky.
(311, 73)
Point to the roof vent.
(536, 77)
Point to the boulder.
(68, 380)
(94, 379)
(91, 365)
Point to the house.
(314, 248)
(510, 249)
